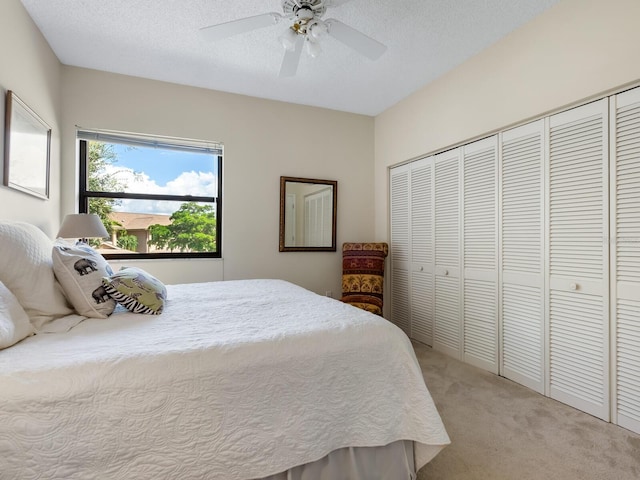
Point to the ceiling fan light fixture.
(313, 48)
(317, 29)
(288, 39)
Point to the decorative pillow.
(136, 290)
(79, 269)
(26, 268)
(14, 321)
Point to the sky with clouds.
(173, 174)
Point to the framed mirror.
(308, 214)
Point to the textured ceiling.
(160, 40)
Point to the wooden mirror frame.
(283, 193)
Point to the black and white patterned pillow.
(79, 270)
(137, 290)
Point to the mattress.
(235, 380)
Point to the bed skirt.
(395, 461)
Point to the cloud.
(187, 183)
(194, 183)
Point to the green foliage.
(193, 229)
(128, 242)
(100, 156)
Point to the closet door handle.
(573, 286)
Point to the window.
(158, 197)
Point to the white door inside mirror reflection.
(318, 210)
(308, 215)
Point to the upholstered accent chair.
(363, 275)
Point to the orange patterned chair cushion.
(363, 275)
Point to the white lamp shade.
(82, 225)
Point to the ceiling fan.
(308, 29)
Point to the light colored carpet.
(500, 430)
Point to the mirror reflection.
(307, 214)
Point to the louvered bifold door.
(578, 257)
(399, 254)
(625, 257)
(447, 334)
(522, 255)
(480, 253)
(421, 251)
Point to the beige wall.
(579, 49)
(262, 140)
(29, 68)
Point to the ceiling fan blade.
(235, 27)
(334, 3)
(292, 59)
(352, 38)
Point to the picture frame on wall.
(27, 149)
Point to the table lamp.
(82, 226)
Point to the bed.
(241, 380)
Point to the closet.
(625, 258)
(412, 268)
(522, 213)
(422, 251)
(520, 254)
(447, 329)
(480, 253)
(399, 213)
(577, 261)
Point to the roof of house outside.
(139, 221)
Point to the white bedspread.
(235, 380)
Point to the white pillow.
(79, 269)
(26, 268)
(14, 321)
